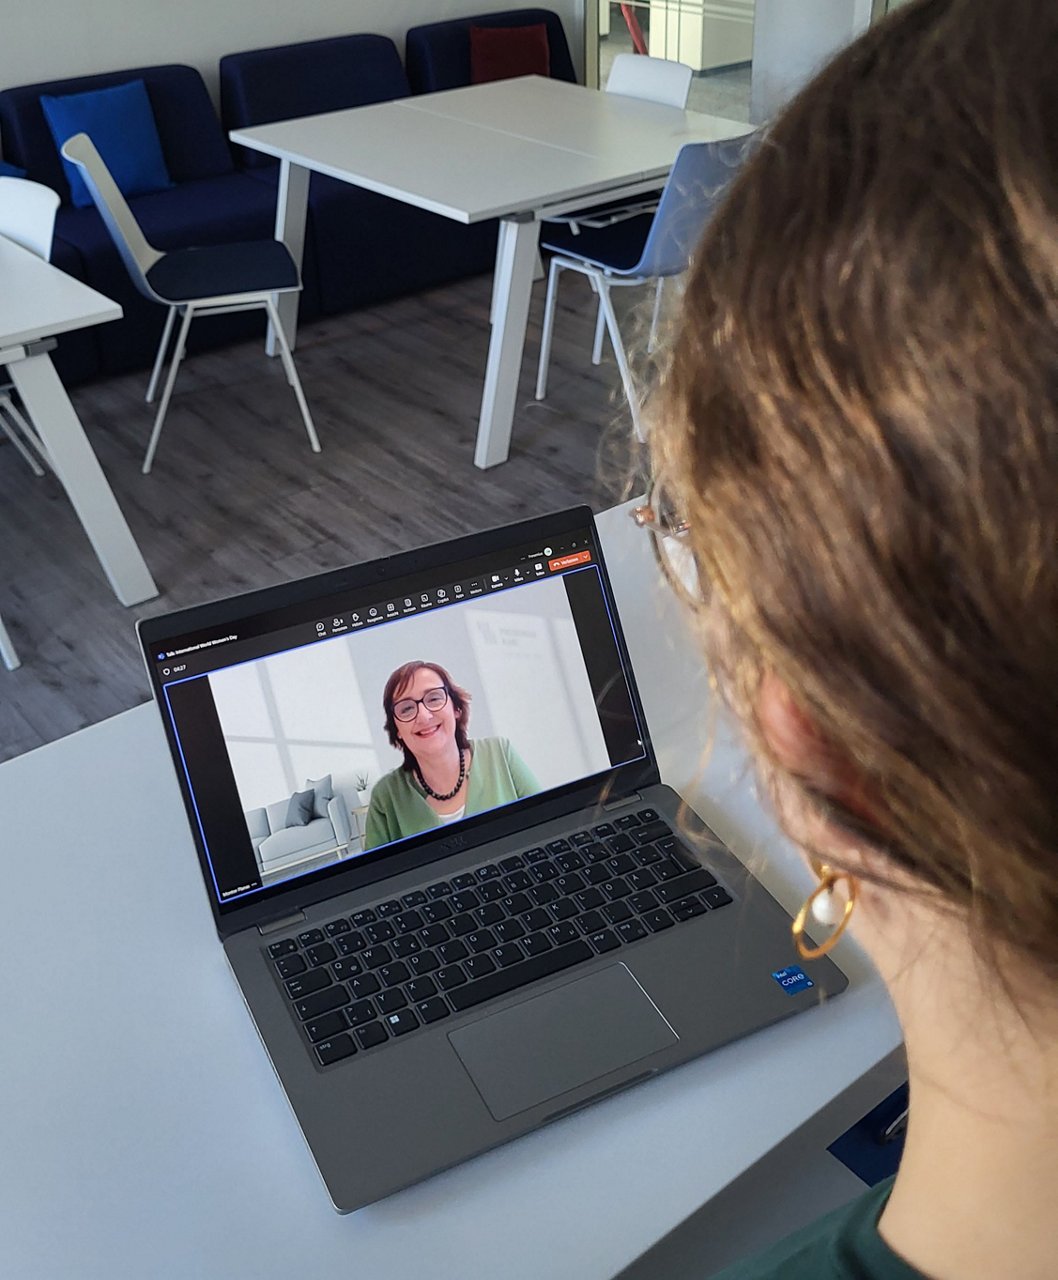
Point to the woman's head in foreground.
(859, 419)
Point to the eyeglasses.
(668, 538)
(408, 708)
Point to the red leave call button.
(567, 562)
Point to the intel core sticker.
(793, 979)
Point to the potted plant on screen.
(360, 782)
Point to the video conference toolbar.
(203, 653)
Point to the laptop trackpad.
(554, 1042)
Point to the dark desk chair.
(212, 280)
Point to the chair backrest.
(696, 184)
(136, 252)
(654, 79)
(27, 214)
(437, 55)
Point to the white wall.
(74, 37)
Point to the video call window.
(326, 772)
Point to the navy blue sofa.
(210, 202)
(437, 56)
(370, 247)
(360, 248)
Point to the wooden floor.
(236, 499)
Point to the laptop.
(436, 969)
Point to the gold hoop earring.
(821, 906)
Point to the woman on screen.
(444, 775)
(858, 439)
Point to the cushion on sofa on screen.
(120, 122)
(501, 53)
(437, 55)
(322, 794)
(299, 810)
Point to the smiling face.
(432, 734)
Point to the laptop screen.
(312, 737)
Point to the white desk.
(144, 1133)
(38, 301)
(517, 150)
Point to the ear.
(800, 751)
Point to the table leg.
(516, 258)
(81, 476)
(292, 202)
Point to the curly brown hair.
(859, 418)
(399, 680)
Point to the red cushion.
(500, 53)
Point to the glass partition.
(714, 39)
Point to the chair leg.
(292, 374)
(600, 329)
(652, 341)
(550, 302)
(28, 431)
(159, 359)
(7, 649)
(7, 404)
(606, 303)
(178, 355)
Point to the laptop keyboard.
(360, 981)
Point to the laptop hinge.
(284, 922)
(616, 804)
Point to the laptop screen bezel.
(291, 896)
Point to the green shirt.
(398, 808)
(844, 1245)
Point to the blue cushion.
(11, 170)
(193, 142)
(120, 122)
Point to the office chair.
(212, 280)
(640, 249)
(27, 216)
(660, 80)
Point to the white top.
(493, 149)
(451, 817)
(38, 300)
(144, 1132)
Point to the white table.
(518, 150)
(37, 301)
(144, 1133)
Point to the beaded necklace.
(434, 795)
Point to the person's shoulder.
(842, 1245)
(492, 747)
(389, 785)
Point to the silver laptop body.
(426, 996)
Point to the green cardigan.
(398, 806)
(844, 1245)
